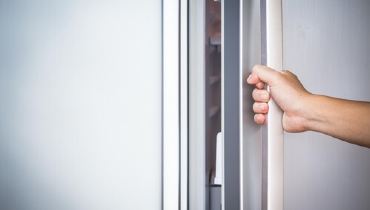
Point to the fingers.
(261, 95)
(261, 74)
(260, 108)
(260, 85)
(259, 118)
(253, 79)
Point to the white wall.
(80, 104)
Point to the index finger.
(253, 79)
(259, 71)
(262, 74)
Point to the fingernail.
(249, 77)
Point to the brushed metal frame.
(197, 120)
(272, 129)
(184, 105)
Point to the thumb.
(264, 73)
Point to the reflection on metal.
(184, 170)
(171, 105)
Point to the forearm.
(343, 119)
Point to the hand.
(286, 90)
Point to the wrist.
(311, 112)
(299, 117)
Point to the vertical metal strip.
(171, 105)
(197, 43)
(272, 130)
(241, 180)
(264, 127)
(184, 104)
(222, 102)
(230, 101)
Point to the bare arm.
(343, 119)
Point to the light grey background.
(327, 44)
(80, 104)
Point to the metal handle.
(272, 130)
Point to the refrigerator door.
(326, 44)
(253, 155)
(81, 105)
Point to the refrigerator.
(80, 112)
(122, 104)
(326, 44)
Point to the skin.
(303, 111)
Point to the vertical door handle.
(272, 129)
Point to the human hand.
(286, 90)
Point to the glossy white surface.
(326, 43)
(80, 92)
(272, 129)
(171, 105)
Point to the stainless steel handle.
(272, 129)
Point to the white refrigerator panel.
(80, 104)
(326, 43)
